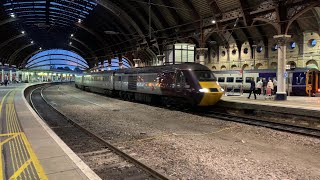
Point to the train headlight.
(204, 90)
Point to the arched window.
(115, 64)
(57, 59)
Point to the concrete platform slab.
(29, 148)
(306, 106)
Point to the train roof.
(152, 69)
(262, 71)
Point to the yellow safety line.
(1, 175)
(21, 147)
(1, 105)
(8, 134)
(7, 140)
(16, 140)
(20, 170)
(2, 101)
(10, 143)
(34, 158)
(25, 156)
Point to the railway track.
(105, 159)
(306, 127)
(309, 129)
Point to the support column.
(2, 75)
(120, 61)
(160, 59)
(10, 73)
(254, 48)
(202, 52)
(102, 65)
(281, 85)
(137, 62)
(109, 63)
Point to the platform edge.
(85, 169)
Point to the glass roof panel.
(68, 9)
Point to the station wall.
(302, 51)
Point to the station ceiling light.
(71, 35)
(22, 32)
(70, 43)
(40, 48)
(213, 21)
(32, 42)
(79, 20)
(12, 15)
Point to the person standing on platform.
(270, 85)
(264, 84)
(253, 89)
(259, 87)
(275, 83)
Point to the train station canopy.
(102, 29)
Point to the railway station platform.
(29, 148)
(296, 105)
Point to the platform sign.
(286, 74)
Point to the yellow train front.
(194, 83)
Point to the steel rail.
(114, 149)
(313, 132)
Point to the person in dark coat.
(253, 89)
(264, 84)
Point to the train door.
(312, 83)
(180, 81)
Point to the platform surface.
(29, 149)
(302, 103)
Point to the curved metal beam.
(125, 18)
(299, 14)
(24, 62)
(11, 40)
(14, 55)
(86, 46)
(79, 50)
(9, 20)
(97, 36)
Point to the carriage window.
(248, 79)
(230, 79)
(181, 80)
(239, 80)
(221, 79)
(205, 76)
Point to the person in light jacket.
(270, 86)
(259, 86)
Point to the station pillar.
(281, 94)
(10, 73)
(136, 62)
(202, 52)
(2, 75)
(109, 63)
(160, 59)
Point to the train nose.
(211, 92)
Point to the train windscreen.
(205, 76)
